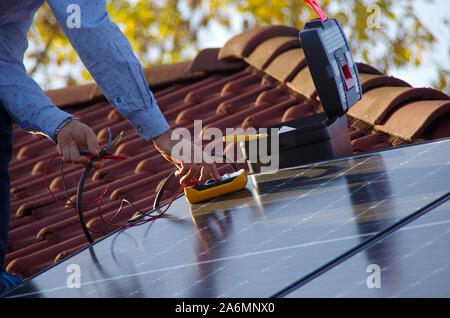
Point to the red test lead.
(318, 9)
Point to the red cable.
(54, 196)
(318, 9)
(46, 181)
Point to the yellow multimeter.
(227, 184)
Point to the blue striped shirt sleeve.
(20, 95)
(109, 58)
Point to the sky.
(430, 15)
(421, 76)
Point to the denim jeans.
(6, 146)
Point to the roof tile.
(166, 74)
(207, 61)
(368, 69)
(377, 103)
(226, 90)
(170, 97)
(75, 95)
(234, 104)
(30, 264)
(303, 84)
(370, 81)
(286, 65)
(371, 142)
(443, 130)
(268, 50)
(242, 45)
(269, 115)
(409, 122)
(28, 250)
(298, 111)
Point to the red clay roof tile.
(410, 121)
(367, 69)
(443, 128)
(369, 81)
(28, 250)
(303, 84)
(377, 103)
(286, 65)
(243, 44)
(166, 74)
(299, 111)
(371, 142)
(269, 114)
(30, 264)
(75, 95)
(268, 50)
(207, 61)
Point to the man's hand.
(76, 137)
(188, 166)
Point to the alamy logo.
(374, 20)
(74, 19)
(183, 150)
(74, 279)
(374, 279)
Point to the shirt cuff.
(62, 125)
(51, 120)
(149, 123)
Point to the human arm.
(27, 103)
(109, 58)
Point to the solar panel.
(256, 242)
(412, 262)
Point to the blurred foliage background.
(166, 31)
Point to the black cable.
(163, 188)
(80, 201)
(85, 229)
(158, 197)
(227, 160)
(79, 205)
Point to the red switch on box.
(347, 75)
